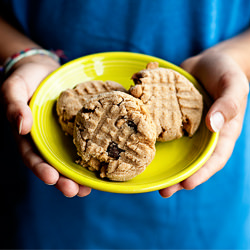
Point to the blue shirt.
(214, 215)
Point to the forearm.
(12, 41)
(239, 49)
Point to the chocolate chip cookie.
(173, 102)
(115, 135)
(70, 101)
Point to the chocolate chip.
(137, 78)
(87, 110)
(162, 133)
(114, 151)
(132, 125)
(72, 119)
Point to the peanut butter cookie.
(173, 102)
(70, 100)
(115, 135)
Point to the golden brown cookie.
(173, 102)
(70, 100)
(115, 135)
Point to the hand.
(224, 80)
(16, 92)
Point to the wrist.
(41, 59)
(241, 58)
(238, 49)
(33, 55)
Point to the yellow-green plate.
(174, 161)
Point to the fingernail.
(19, 123)
(68, 196)
(49, 184)
(217, 121)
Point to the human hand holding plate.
(16, 92)
(228, 86)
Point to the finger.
(47, 173)
(169, 191)
(232, 93)
(20, 117)
(83, 191)
(15, 98)
(35, 163)
(221, 154)
(213, 165)
(189, 64)
(68, 187)
(216, 162)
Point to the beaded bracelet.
(10, 61)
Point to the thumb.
(15, 98)
(231, 96)
(190, 63)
